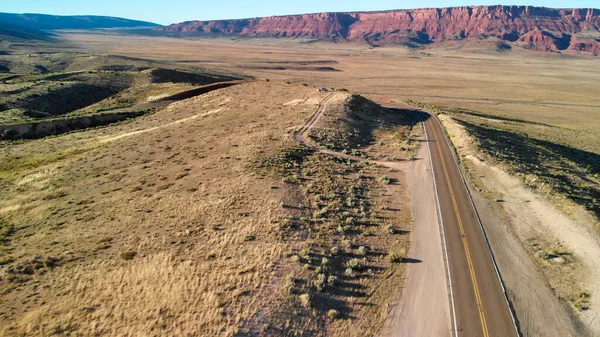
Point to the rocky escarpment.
(538, 28)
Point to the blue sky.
(166, 12)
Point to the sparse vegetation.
(305, 299)
(397, 255)
(333, 314)
(129, 255)
(546, 166)
(181, 225)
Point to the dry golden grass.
(171, 225)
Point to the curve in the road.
(476, 286)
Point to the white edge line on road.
(441, 224)
(487, 242)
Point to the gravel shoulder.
(424, 307)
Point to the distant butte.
(537, 28)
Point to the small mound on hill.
(361, 125)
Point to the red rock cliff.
(536, 27)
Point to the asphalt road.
(478, 299)
(478, 302)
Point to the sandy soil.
(524, 219)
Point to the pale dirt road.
(424, 308)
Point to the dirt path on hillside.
(423, 309)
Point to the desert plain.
(207, 217)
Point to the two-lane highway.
(478, 297)
(478, 303)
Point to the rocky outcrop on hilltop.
(537, 28)
(545, 41)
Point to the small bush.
(391, 229)
(333, 314)
(336, 250)
(305, 300)
(353, 263)
(320, 214)
(129, 255)
(350, 272)
(319, 283)
(288, 286)
(106, 240)
(398, 255)
(385, 180)
(362, 250)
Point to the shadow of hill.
(497, 118)
(64, 100)
(569, 171)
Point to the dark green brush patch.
(6, 230)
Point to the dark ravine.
(538, 28)
(39, 129)
(59, 126)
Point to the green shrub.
(129, 255)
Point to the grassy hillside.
(50, 85)
(12, 32)
(203, 219)
(49, 22)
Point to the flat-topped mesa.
(422, 26)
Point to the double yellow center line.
(465, 245)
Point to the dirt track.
(478, 305)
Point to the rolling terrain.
(544, 243)
(269, 207)
(54, 22)
(45, 93)
(12, 32)
(537, 28)
(295, 234)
